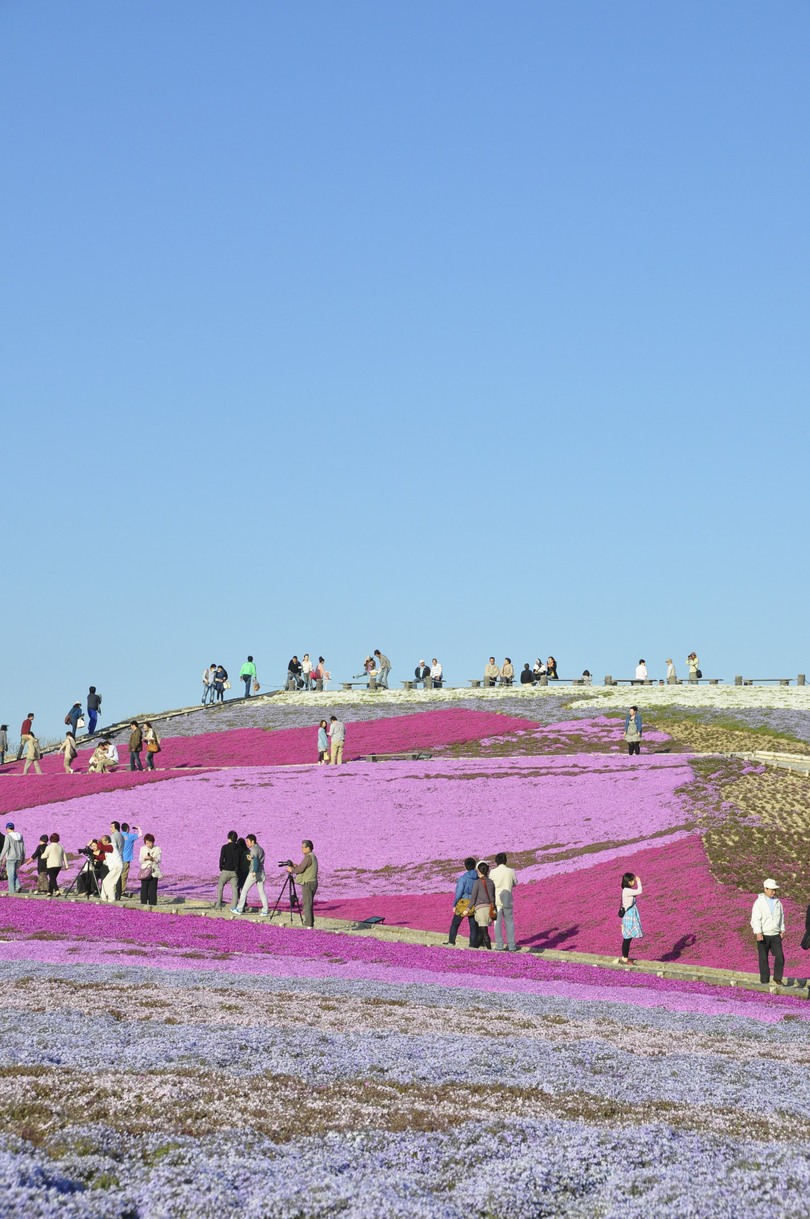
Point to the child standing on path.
(631, 922)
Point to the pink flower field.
(391, 835)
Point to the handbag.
(152, 747)
(80, 722)
(226, 685)
(622, 912)
(256, 687)
(145, 872)
(462, 907)
(698, 673)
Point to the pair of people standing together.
(483, 897)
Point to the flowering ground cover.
(156, 1066)
(348, 1062)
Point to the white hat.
(770, 884)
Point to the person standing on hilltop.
(247, 674)
(628, 913)
(641, 672)
(672, 676)
(135, 746)
(385, 668)
(220, 683)
(306, 671)
(694, 667)
(93, 709)
(25, 729)
(208, 683)
(3, 743)
(633, 730)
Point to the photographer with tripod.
(307, 875)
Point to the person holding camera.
(306, 873)
(150, 857)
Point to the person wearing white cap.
(768, 923)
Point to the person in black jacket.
(93, 709)
(526, 675)
(229, 860)
(422, 672)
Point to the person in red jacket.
(25, 728)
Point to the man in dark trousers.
(93, 709)
(306, 873)
(229, 868)
(464, 887)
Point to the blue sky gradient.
(445, 328)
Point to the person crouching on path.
(306, 874)
(768, 924)
(483, 902)
(255, 876)
(462, 905)
(632, 731)
(631, 921)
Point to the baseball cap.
(9, 825)
(770, 884)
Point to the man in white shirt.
(641, 671)
(768, 923)
(504, 880)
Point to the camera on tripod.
(285, 863)
(86, 851)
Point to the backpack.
(67, 718)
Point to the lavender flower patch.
(509, 1170)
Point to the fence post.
(800, 680)
(544, 679)
(608, 679)
(738, 681)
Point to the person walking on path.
(768, 924)
(504, 880)
(694, 667)
(631, 920)
(152, 740)
(55, 860)
(462, 906)
(26, 728)
(42, 869)
(323, 743)
(307, 874)
(3, 743)
(135, 746)
(384, 665)
(68, 748)
(13, 856)
(150, 858)
(247, 674)
(337, 740)
(641, 673)
(75, 718)
(254, 877)
(93, 709)
(672, 676)
(229, 854)
(32, 754)
(130, 837)
(482, 900)
(632, 731)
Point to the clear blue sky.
(446, 328)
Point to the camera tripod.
(295, 903)
(86, 869)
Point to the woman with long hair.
(631, 922)
(55, 860)
(482, 903)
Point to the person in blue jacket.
(632, 730)
(464, 887)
